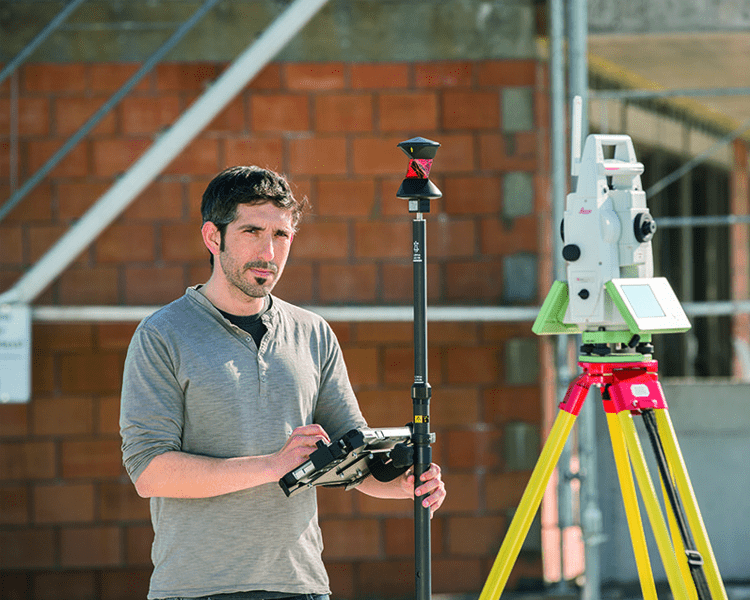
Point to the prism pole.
(418, 190)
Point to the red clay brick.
(69, 503)
(385, 332)
(507, 73)
(317, 156)
(279, 112)
(399, 536)
(472, 195)
(63, 336)
(296, 284)
(263, 152)
(41, 238)
(73, 165)
(11, 245)
(153, 285)
(386, 408)
(14, 420)
(122, 584)
(398, 365)
(89, 286)
(386, 579)
(383, 239)
(185, 76)
(455, 406)
(14, 505)
(345, 197)
(336, 113)
(27, 548)
(456, 154)
(501, 237)
(108, 416)
(379, 76)
(343, 283)
(125, 242)
(146, 115)
(475, 536)
(200, 157)
(398, 281)
(63, 416)
(74, 198)
(42, 374)
(470, 110)
(91, 458)
(363, 365)
(443, 74)
(114, 336)
(457, 575)
(469, 364)
(504, 405)
(37, 205)
(110, 77)
(269, 78)
(379, 156)
(314, 76)
(118, 501)
(409, 112)
(32, 116)
(115, 156)
(71, 113)
(497, 154)
(138, 542)
(332, 502)
(470, 449)
(231, 119)
(64, 585)
(351, 538)
(95, 372)
(322, 240)
(504, 490)
(27, 460)
(341, 576)
(450, 238)
(182, 242)
(474, 281)
(90, 547)
(49, 77)
(160, 200)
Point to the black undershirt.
(252, 324)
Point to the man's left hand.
(431, 491)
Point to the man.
(225, 391)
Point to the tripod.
(629, 386)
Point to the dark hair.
(247, 185)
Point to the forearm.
(182, 475)
(399, 488)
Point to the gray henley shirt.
(195, 383)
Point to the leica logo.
(584, 211)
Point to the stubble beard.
(253, 287)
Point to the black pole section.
(421, 393)
(418, 190)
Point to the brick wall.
(71, 525)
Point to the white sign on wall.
(15, 353)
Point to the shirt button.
(247, 339)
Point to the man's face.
(255, 248)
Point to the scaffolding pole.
(163, 151)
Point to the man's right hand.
(298, 448)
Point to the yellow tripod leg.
(692, 512)
(527, 507)
(632, 512)
(653, 509)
